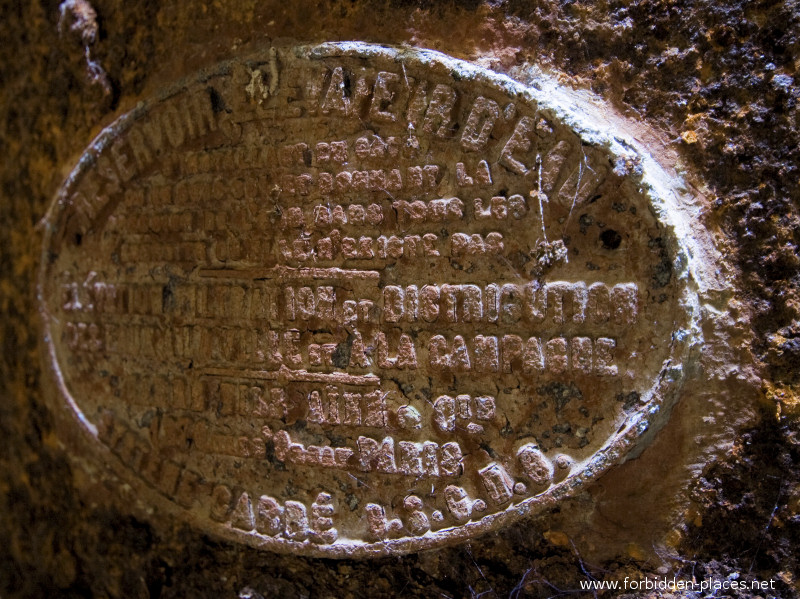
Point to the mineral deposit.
(345, 300)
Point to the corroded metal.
(349, 300)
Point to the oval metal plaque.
(350, 300)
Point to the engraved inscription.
(339, 301)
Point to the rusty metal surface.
(349, 300)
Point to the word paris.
(351, 301)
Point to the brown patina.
(351, 301)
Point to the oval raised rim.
(588, 120)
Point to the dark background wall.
(716, 80)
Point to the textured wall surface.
(716, 493)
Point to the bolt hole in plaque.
(349, 300)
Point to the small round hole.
(611, 239)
